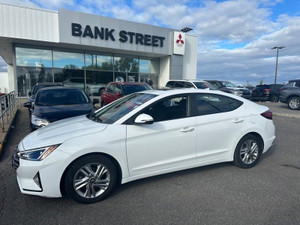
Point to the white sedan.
(141, 135)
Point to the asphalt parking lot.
(269, 193)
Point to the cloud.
(251, 24)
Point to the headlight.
(237, 93)
(37, 154)
(39, 122)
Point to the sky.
(235, 37)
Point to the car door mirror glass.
(144, 119)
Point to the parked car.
(35, 89)
(56, 103)
(266, 92)
(141, 135)
(290, 94)
(115, 90)
(229, 87)
(198, 84)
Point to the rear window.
(129, 89)
(211, 103)
(61, 97)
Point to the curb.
(7, 132)
(287, 115)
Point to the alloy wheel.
(91, 180)
(249, 151)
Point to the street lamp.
(186, 29)
(277, 48)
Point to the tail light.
(268, 90)
(281, 89)
(267, 114)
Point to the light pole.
(277, 48)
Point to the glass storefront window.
(98, 62)
(29, 76)
(104, 62)
(149, 66)
(70, 77)
(126, 64)
(39, 65)
(96, 81)
(33, 57)
(68, 60)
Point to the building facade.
(88, 51)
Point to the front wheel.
(248, 151)
(90, 179)
(294, 103)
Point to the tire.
(101, 90)
(274, 98)
(294, 103)
(102, 104)
(96, 178)
(248, 151)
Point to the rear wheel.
(294, 103)
(274, 98)
(90, 179)
(248, 151)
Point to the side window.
(210, 104)
(118, 88)
(297, 84)
(179, 84)
(188, 85)
(168, 109)
(170, 84)
(111, 89)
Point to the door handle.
(187, 129)
(238, 120)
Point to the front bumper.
(41, 178)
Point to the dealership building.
(88, 51)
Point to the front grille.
(15, 161)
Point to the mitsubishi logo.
(179, 40)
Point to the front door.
(168, 143)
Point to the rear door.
(219, 122)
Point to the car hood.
(60, 131)
(58, 112)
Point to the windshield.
(132, 88)
(61, 97)
(228, 84)
(120, 108)
(204, 85)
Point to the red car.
(115, 90)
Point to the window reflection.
(98, 62)
(68, 60)
(126, 64)
(96, 81)
(29, 76)
(33, 57)
(149, 66)
(70, 77)
(36, 65)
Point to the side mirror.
(118, 94)
(96, 101)
(144, 119)
(27, 104)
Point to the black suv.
(290, 94)
(266, 92)
(229, 87)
